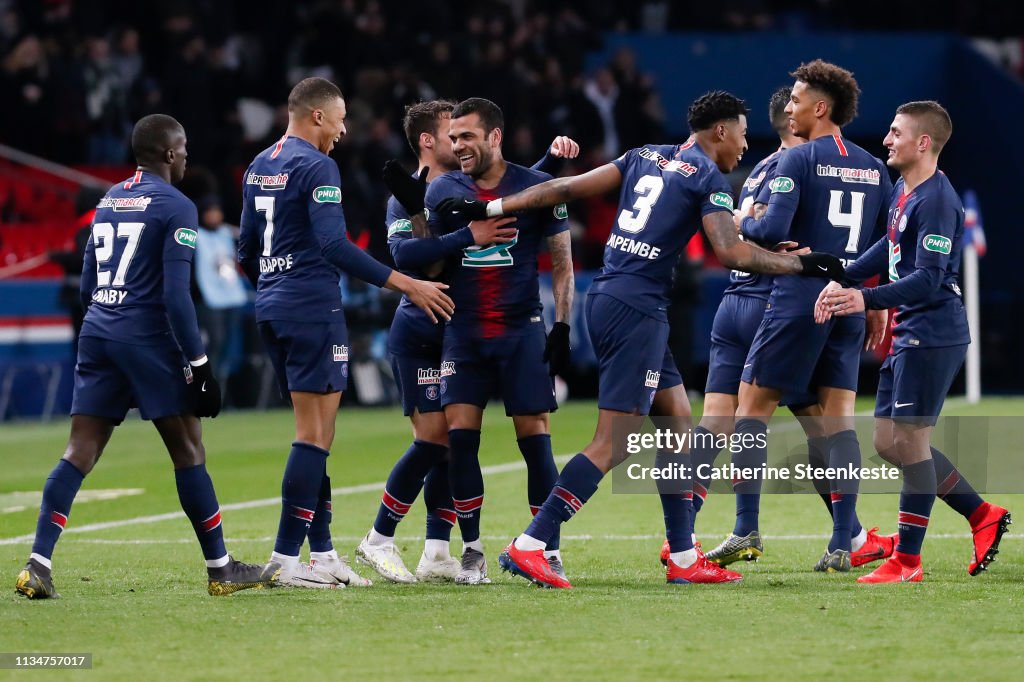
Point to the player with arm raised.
(293, 247)
(829, 195)
(732, 333)
(140, 346)
(667, 192)
(415, 347)
(497, 341)
(921, 253)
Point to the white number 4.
(852, 220)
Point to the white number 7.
(266, 205)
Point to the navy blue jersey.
(829, 195)
(412, 330)
(921, 252)
(755, 190)
(666, 191)
(141, 227)
(495, 288)
(293, 226)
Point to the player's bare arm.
(545, 195)
(562, 280)
(734, 253)
(428, 296)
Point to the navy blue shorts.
(309, 357)
(112, 377)
(419, 382)
(634, 361)
(473, 370)
(913, 383)
(796, 355)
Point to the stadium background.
(613, 75)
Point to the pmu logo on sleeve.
(401, 225)
(340, 353)
(326, 194)
(938, 244)
(185, 237)
(781, 185)
(560, 212)
(722, 199)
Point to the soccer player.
(830, 195)
(497, 341)
(666, 193)
(293, 246)
(736, 321)
(415, 348)
(140, 346)
(930, 339)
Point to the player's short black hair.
(312, 93)
(932, 120)
(712, 107)
(777, 109)
(424, 117)
(489, 112)
(836, 83)
(153, 136)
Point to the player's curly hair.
(424, 117)
(777, 109)
(712, 107)
(836, 83)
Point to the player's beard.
(482, 159)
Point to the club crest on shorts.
(432, 393)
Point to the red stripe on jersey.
(394, 504)
(136, 178)
(948, 482)
(906, 518)
(688, 495)
(534, 509)
(328, 506)
(446, 515)
(304, 514)
(567, 497)
(686, 145)
(212, 523)
(472, 504)
(277, 148)
(837, 497)
(842, 147)
(489, 288)
(58, 519)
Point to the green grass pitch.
(134, 594)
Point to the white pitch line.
(253, 504)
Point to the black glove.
(206, 391)
(470, 209)
(819, 264)
(556, 349)
(408, 190)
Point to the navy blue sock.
(703, 453)
(199, 501)
(575, 485)
(541, 474)
(844, 450)
(916, 500)
(300, 491)
(320, 528)
(817, 455)
(437, 495)
(467, 480)
(676, 501)
(753, 434)
(59, 492)
(953, 489)
(404, 484)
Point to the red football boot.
(988, 523)
(901, 568)
(665, 551)
(874, 548)
(701, 571)
(531, 565)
